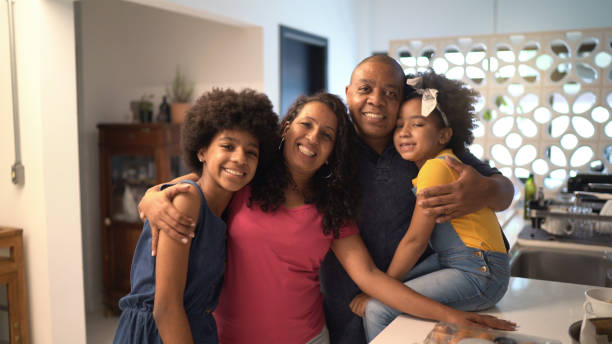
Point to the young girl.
(224, 137)
(470, 268)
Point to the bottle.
(540, 198)
(164, 111)
(530, 191)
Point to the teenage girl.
(226, 134)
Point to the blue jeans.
(458, 276)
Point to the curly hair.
(457, 101)
(220, 110)
(335, 186)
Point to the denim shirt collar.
(370, 153)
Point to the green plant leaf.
(181, 89)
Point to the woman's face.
(230, 160)
(309, 139)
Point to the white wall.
(401, 19)
(335, 20)
(136, 53)
(47, 207)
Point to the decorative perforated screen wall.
(546, 97)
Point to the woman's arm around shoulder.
(171, 275)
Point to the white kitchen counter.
(540, 308)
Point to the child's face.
(230, 160)
(419, 138)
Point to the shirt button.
(207, 311)
(483, 268)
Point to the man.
(373, 97)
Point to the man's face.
(373, 99)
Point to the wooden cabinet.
(133, 157)
(13, 308)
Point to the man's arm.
(471, 192)
(156, 206)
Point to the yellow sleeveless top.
(478, 230)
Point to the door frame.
(288, 33)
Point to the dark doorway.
(303, 65)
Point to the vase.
(178, 111)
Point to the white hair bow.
(429, 100)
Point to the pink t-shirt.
(271, 290)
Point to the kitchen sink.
(562, 265)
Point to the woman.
(280, 231)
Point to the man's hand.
(470, 193)
(156, 206)
(456, 199)
(359, 303)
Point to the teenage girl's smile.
(234, 172)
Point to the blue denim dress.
(204, 276)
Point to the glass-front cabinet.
(133, 157)
(13, 294)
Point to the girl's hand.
(359, 303)
(156, 206)
(480, 320)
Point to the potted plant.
(179, 92)
(145, 108)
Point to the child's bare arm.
(171, 275)
(156, 206)
(412, 245)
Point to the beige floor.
(100, 329)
